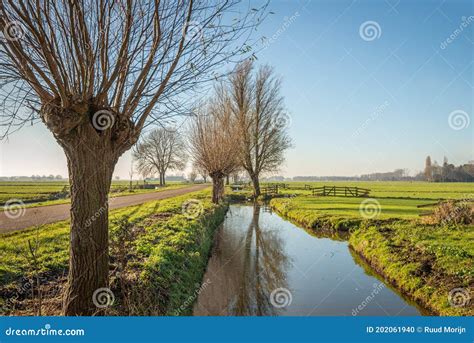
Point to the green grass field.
(402, 189)
(396, 199)
(28, 190)
(38, 193)
(425, 260)
(166, 257)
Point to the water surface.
(262, 264)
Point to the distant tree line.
(396, 175)
(32, 178)
(433, 172)
(447, 172)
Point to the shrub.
(454, 213)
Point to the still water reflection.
(262, 264)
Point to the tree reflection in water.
(248, 262)
(251, 259)
(263, 270)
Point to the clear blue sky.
(357, 105)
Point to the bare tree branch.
(162, 150)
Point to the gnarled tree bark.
(217, 187)
(90, 175)
(93, 141)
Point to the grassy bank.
(293, 210)
(158, 253)
(424, 261)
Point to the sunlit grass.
(399, 189)
(53, 239)
(36, 194)
(424, 261)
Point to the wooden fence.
(269, 190)
(272, 189)
(340, 191)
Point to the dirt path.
(54, 213)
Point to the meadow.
(425, 261)
(401, 189)
(40, 193)
(158, 254)
(423, 256)
(397, 199)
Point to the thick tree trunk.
(93, 138)
(227, 180)
(217, 189)
(256, 185)
(90, 175)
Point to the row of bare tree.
(242, 126)
(96, 73)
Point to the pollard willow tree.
(161, 150)
(96, 73)
(212, 140)
(260, 119)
